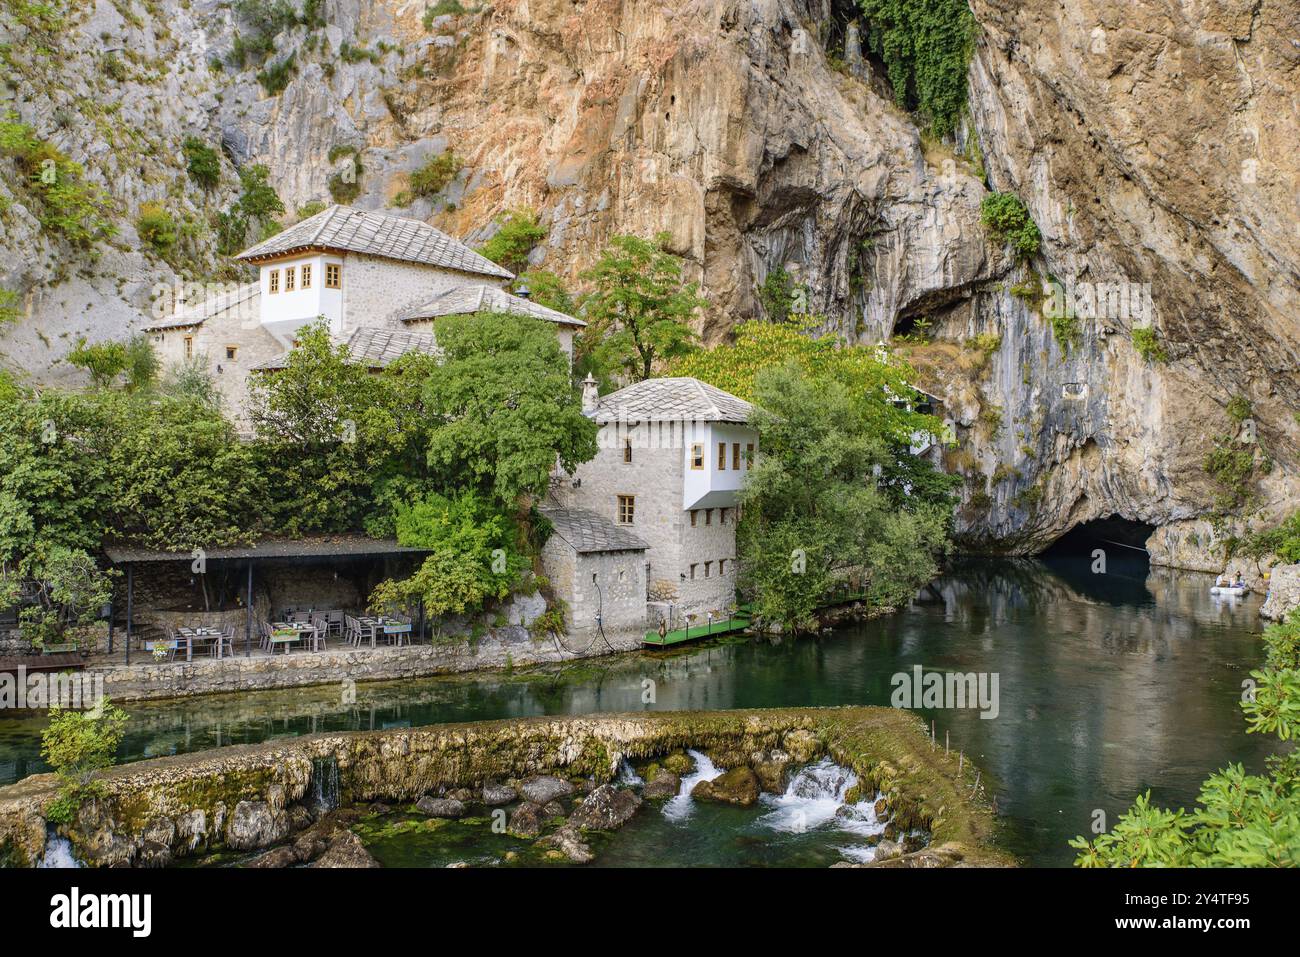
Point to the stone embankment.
(264, 796)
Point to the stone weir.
(250, 797)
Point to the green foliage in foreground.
(1243, 820)
(1007, 219)
(77, 745)
(926, 46)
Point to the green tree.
(639, 308)
(1243, 820)
(105, 361)
(68, 591)
(548, 289)
(78, 745)
(505, 405)
(433, 175)
(814, 510)
(1007, 219)
(201, 162)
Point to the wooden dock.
(739, 621)
(33, 663)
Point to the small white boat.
(1228, 590)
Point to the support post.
(110, 626)
(130, 597)
(248, 630)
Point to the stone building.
(378, 281)
(673, 454)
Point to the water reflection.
(1109, 684)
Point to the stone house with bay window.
(673, 453)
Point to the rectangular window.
(306, 276)
(626, 509)
(722, 516)
(694, 517)
(735, 456)
(274, 280)
(708, 568)
(722, 566)
(232, 352)
(749, 455)
(288, 278)
(333, 276)
(189, 347)
(722, 456)
(708, 516)
(697, 455)
(627, 450)
(693, 567)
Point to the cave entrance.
(1114, 534)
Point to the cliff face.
(1151, 146)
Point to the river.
(1109, 684)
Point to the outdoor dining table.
(389, 626)
(280, 633)
(188, 635)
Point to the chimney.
(590, 394)
(523, 292)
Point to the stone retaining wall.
(244, 797)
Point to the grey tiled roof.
(585, 531)
(483, 298)
(377, 234)
(374, 346)
(672, 399)
(194, 313)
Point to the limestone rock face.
(1152, 143)
(1283, 592)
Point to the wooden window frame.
(189, 347)
(290, 274)
(305, 280)
(749, 455)
(273, 282)
(336, 269)
(722, 456)
(735, 456)
(697, 456)
(232, 353)
(625, 505)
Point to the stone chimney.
(590, 394)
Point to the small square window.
(306, 276)
(626, 509)
(232, 352)
(722, 456)
(697, 455)
(274, 280)
(288, 278)
(333, 276)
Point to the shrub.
(77, 745)
(1239, 409)
(440, 9)
(1007, 218)
(156, 227)
(276, 77)
(436, 172)
(518, 231)
(71, 207)
(1283, 541)
(1147, 344)
(351, 54)
(9, 306)
(201, 162)
(1231, 468)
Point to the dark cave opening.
(1125, 536)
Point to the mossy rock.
(679, 763)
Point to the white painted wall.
(714, 487)
(285, 312)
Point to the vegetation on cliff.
(78, 744)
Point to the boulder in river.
(545, 788)
(568, 841)
(679, 763)
(606, 808)
(664, 785)
(739, 786)
(526, 821)
(440, 807)
(494, 795)
(771, 773)
(256, 824)
(346, 850)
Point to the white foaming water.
(58, 853)
(815, 798)
(627, 775)
(680, 807)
